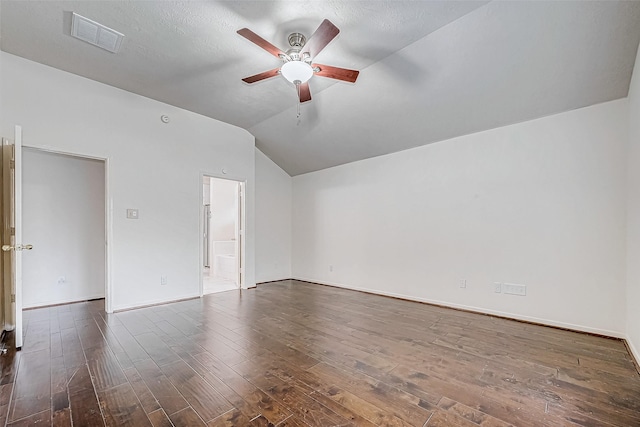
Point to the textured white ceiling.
(430, 70)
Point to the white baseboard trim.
(480, 310)
(248, 286)
(281, 279)
(150, 303)
(634, 351)
(50, 303)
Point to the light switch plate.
(132, 213)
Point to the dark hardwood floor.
(295, 354)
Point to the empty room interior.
(320, 213)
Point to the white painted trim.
(54, 303)
(242, 238)
(634, 351)
(17, 182)
(108, 238)
(148, 303)
(108, 217)
(547, 322)
(200, 234)
(279, 279)
(243, 244)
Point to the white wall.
(633, 216)
(64, 219)
(273, 223)
(540, 203)
(154, 167)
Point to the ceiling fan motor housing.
(297, 42)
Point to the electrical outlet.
(513, 289)
(463, 283)
(62, 280)
(497, 287)
(163, 280)
(331, 268)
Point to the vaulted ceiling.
(430, 70)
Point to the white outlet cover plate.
(514, 289)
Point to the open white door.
(13, 222)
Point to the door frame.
(108, 218)
(241, 234)
(11, 217)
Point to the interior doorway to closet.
(222, 218)
(64, 217)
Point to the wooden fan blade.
(253, 37)
(305, 92)
(262, 76)
(318, 40)
(336, 73)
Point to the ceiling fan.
(298, 65)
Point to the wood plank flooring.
(296, 354)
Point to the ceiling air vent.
(96, 34)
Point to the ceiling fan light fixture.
(296, 71)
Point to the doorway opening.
(13, 215)
(222, 235)
(64, 217)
